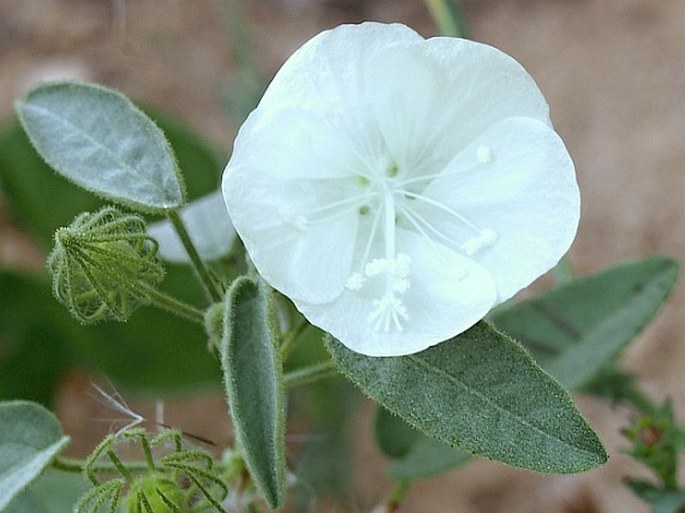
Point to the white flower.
(396, 188)
(208, 225)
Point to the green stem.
(200, 267)
(309, 374)
(639, 401)
(291, 337)
(77, 466)
(171, 304)
(449, 17)
(397, 494)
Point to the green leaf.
(660, 500)
(426, 457)
(99, 140)
(154, 352)
(253, 379)
(414, 455)
(34, 352)
(42, 201)
(394, 436)
(483, 393)
(52, 492)
(577, 329)
(30, 436)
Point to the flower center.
(390, 197)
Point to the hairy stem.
(200, 267)
(310, 374)
(171, 304)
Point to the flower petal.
(448, 294)
(288, 167)
(208, 224)
(517, 180)
(431, 98)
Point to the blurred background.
(613, 72)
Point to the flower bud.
(162, 494)
(102, 264)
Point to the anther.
(485, 239)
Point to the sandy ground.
(613, 72)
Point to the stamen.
(440, 206)
(415, 218)
(369, 243)
(485, 239)
(432, 176)
(355, 282)
(359, 199)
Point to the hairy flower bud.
(102, 264)
(158, 493)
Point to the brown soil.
(613, 72)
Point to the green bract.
(102, 265)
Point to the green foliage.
(394, 437)
(172, 478)
(101, 265)
(413, 455)
(483, 393)
(656, 438)
(153, 352)
(157, 493)
(36, 350)
(577, 329)
(42, 201)
(659, 499)
(253, 379)
(426, 457)
(52, 492)
(31, 437)
(449, 17)
(99, 140)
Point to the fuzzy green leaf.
(426, 457)
(42, 201)
(99, 140)
(394, 436)
(52, 492)
(414, 455)
(30, 436)
(483, 393)
(659, 499)
(253, 379)
(576, 330)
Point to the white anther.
(355, 282)
(485, 239)
(376, 266)
(400, 285)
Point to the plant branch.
(309, 374)
(200, 267)
(449, 17)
